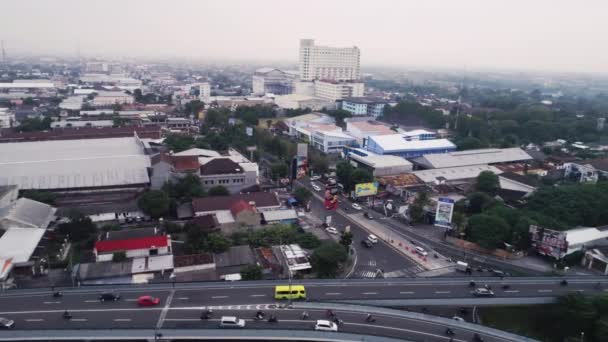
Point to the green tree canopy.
(302, 195)
(251, 272)
(488, 231)
(154, 203)
(40, 196)
(279, 170)
(327, 258)
(79, 227)
(218, 190)
(487, 181)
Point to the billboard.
(443, 215)
(366, 189)
(302, 160)
(549, 242)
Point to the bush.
(327, 258)
(251, 272)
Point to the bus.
(283, 292)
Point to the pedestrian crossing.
(236, 307)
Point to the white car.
(232, 322)
(314, 178)
(331, 230)
(316, 187)
(356, 206)
(324, 325)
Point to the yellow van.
(282, 292)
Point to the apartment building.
(328, 63)
(335, 90)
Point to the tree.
(359, 176)
(35, 124)
(417, 208)
(251, 272)
(79, 227)
(326, 259)
(40, 196)
(185, 189)
(178, 143)
(217, 243)
(487, 181)
(302, 195)
(278, 170)
(346, 240)
(478, 202)
(308, 241)
(469, 143)
(194, 107)
(154, 203)
(344, 171)
(488, 231)
(218, 190)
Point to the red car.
(148, 301)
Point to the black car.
(6, 323)
(367, 244)
(368, 216)
(109, 296)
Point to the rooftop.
(127, 234)
(132, 243)
(235, 256)
(219, 166)
(199, 152)
(217, 203)
(20, 243)
(365, 100)
(68, 164)
(26, 213)
(10, 135)
(454, 173)
(472, 157)
(397, 142)
(371, 126)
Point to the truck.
(463, 267)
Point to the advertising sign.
(302, 160)
(549, 242)
(366, 189)
(249, 131)
(445, 209)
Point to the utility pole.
(3, 51)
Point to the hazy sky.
(559, 35)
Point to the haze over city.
(472, 34)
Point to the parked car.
(331, 230)
(325, 325)
(231, 322)
(148, 301)
(109, 296)
(316, 187)
(366, 243)
(356, 206)
(6, 323)
(483, 292)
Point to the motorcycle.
(506, 287)
(449, 332)
(370, 319)
(67, 315)
(206, 314)
(272, 319)
(564, 282)
(57, 294)
(471, 284)
(477, 338)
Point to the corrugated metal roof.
(455, 173)
(473, 157)
(131, 244)
(20, 243)
(279, 215)
(397, 142)
(64, 164)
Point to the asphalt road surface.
(181, 307)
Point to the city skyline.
(543, 36)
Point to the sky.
(547, 35)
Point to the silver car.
(6, 323)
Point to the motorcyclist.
(67, 314)
(329, 313)
(259, 315)
(369, 318)
(272, 318)
(305, 315)
(57, 294)
(449, 332)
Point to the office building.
(331, 90)
(273, 81)
(400, 145)
(328, 63)
(365, 105)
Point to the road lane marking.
(442, 292)
(91, 301)
(543, 291)
(258, 295)
(512, 291)
(34, 320)
(406, 292)
(78, 319)
(182, 298)
(333, 294)
(370, 293)
(218, 297)
(52, 302)
(122, 320)
(131, 300)
(163, 313)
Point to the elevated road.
(181, 305)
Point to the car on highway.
(6, 323)
(421, 251)
(316, 187)
(372, 238)
(148, 301)
(368, 216)
(356, 206)
(366, 243)
(498, 273)
(331, 230)
(231, 322)
(325, 325)
(109, 296)
(457, 318)
(483, 292)
(314, 178)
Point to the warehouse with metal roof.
(75, 164)
(471, 157)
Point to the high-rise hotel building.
(328, 63)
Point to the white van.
(372, 238)
(421, 251)
(231, 322)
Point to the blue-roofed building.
(403, 146)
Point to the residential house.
(135, 243)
